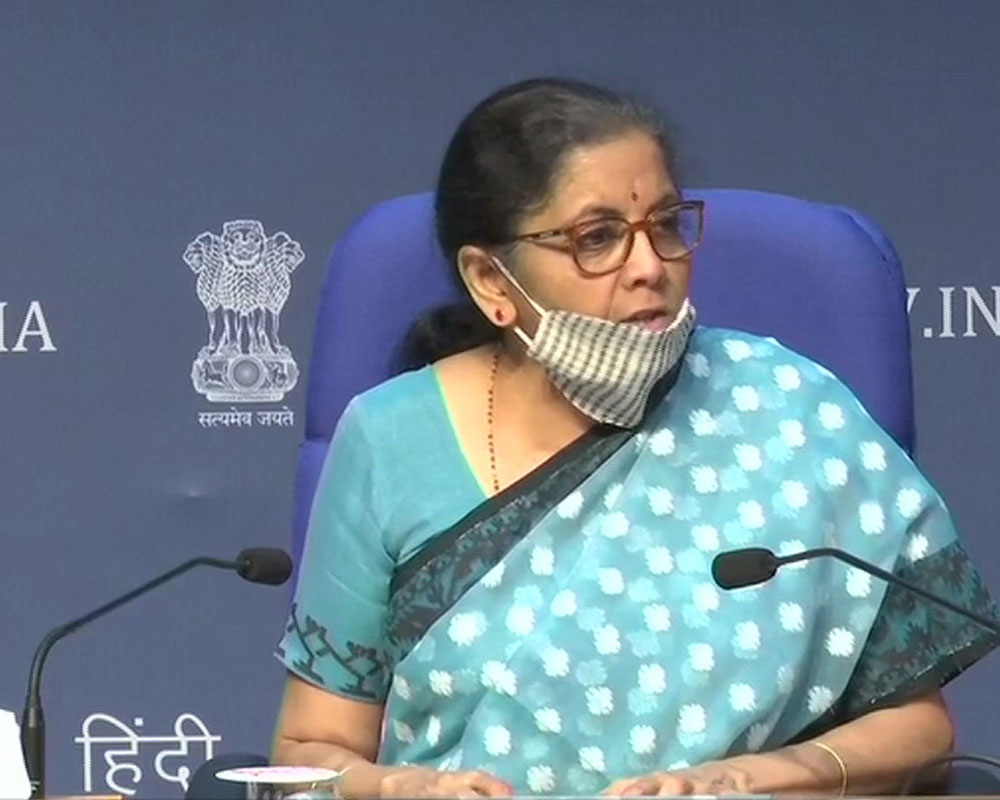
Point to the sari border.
(936, 676)
(491, 505)
(437, 544)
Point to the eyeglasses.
(600, 246)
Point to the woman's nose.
(642, 266)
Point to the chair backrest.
(823, 280)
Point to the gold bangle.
(840, 765)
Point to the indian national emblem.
(244, 278)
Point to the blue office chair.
(823, 280)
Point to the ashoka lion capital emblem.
(244, 278)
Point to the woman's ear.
(486, 285)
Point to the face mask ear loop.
(521, 335)
(518, 331)
(681, 316)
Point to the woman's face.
(625, 178)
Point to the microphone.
(750, 566)
(268, 565)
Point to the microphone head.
(746, 567)
(270, 565)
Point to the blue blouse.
(394, 476)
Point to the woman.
(509, 552)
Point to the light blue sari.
(568, 632)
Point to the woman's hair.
(500, 166)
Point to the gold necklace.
(490, 403)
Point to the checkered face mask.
(606, 369)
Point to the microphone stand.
(890, 579)
(33, 719)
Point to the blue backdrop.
(128, 130)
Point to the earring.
(498, 314)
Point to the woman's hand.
(713, 777)
(423, 782)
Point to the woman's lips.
(650, 320)
(658, 323)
